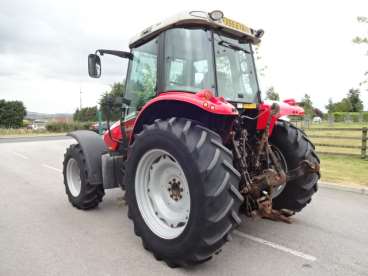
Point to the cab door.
(141, 80)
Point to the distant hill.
(44, 116)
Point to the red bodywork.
(206, 101)
(287, 108)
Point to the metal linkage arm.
(117, 53)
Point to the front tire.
(295, 147)
(208, 193)
(80, 192)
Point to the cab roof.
(197, 19)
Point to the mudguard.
(204, 100)
(93, 148)
(287, 108)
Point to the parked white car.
(317, 120)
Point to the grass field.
(21, 132)
(344, 170)
(340, 169)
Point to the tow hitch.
(257, 189)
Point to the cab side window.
(142, 77)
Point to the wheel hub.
(162, 193)
(175, 189)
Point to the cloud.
(44, 46)
(43, 54)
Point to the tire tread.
(222, 200)
(92, 194)
(296, 147)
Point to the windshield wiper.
(232, 46)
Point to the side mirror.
(94, 66)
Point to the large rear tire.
(189, 225)
(81, 193)
(295, 147)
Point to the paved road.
(41, 234)
(33, 138)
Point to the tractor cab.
(191, 52)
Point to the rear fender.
(204, 100)
(215, 113)
(287, 108)
(195, 106)
(93, 148)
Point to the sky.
(307, 46)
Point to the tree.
(12, 114)
(86, 114)
(362, 40)
(271, 94)
(318, 112)
(117, 90)
(343, 106)
(354, 98)
(307, 104)
(351, 103)
(261, 67)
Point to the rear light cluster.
(209, 97)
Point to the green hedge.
(340, 116)
(67, 126)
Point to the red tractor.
(196, 146)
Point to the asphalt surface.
(42, 234)
(33, 138)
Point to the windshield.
(236, 77)
(188, 60)
(191, 64)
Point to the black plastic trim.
(93, 147)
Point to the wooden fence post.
(364, 143)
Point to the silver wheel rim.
(162, 194)
(73, 177)
(276, 192)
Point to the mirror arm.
(121, 54)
